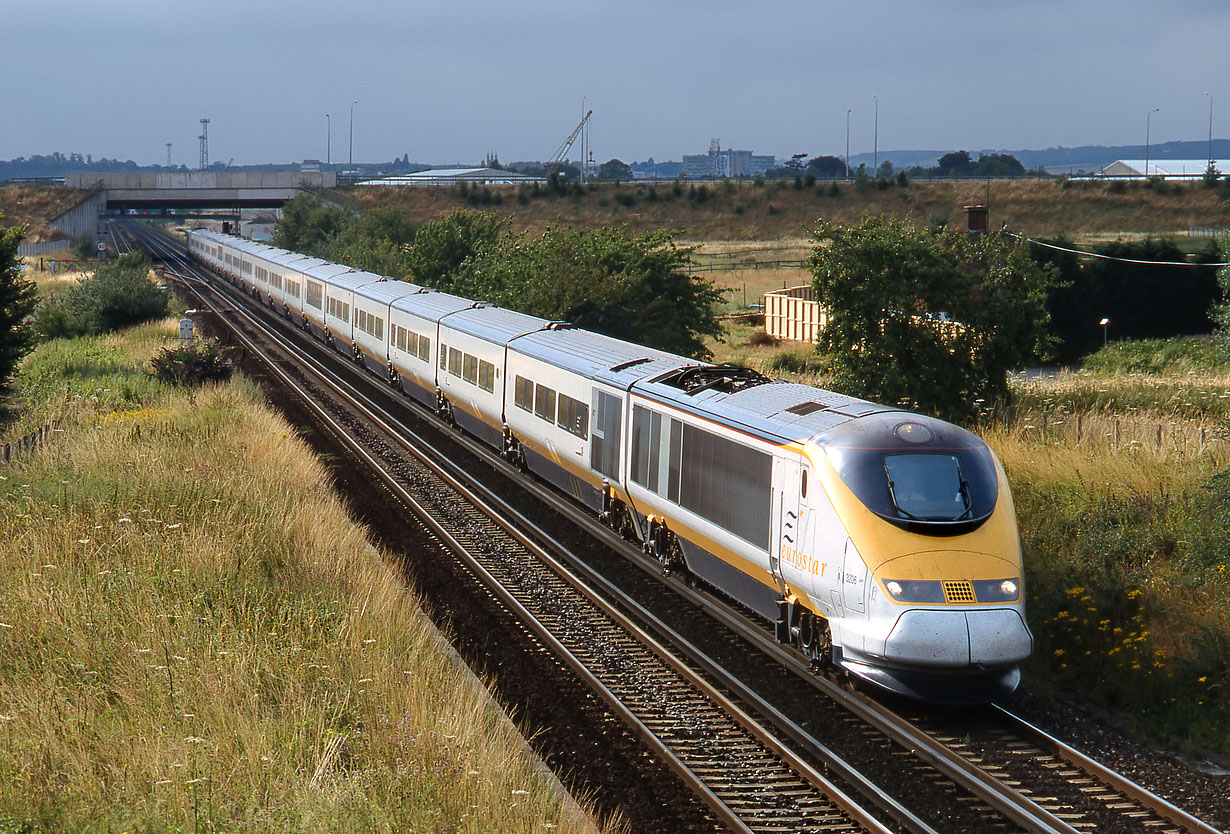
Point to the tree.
(998, 165)
(615, 170)
(632, 287)
(442, 246)
(378, 241)
(18, 300)
(1219, 312)
(955, 164)
(1147, 288)
(827, 167)
(310, 225)
(930, 322)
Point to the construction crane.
(558, 159)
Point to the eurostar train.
(877, 540)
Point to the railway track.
(750, 776)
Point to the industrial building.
(1171, 169)
(720, 163)
(452, 176)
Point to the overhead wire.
(1058, 248)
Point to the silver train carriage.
(878, 540)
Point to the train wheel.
(815, 639)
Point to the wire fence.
(1116, 432)
(27, 444)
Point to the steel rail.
(697, 783)
(1007, 801)
(1146, 798)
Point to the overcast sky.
(451, 81)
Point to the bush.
(84, 247)
(120, 294)
(193, 363)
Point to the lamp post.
(350, 165)
(1210, 95)
(848, 142)
(876, 138)
(328, 140)
(1104, 323)
(1148, 120)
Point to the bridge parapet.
(201, 180)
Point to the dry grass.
(778, 211)
(193, 634)
(34, 205)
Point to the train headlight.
(908, 590)
(997, 590)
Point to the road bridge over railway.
(183, 190)
(182, 194)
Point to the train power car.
(874, 539)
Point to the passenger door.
(785, 519)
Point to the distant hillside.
(1084, 159)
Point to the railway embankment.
(194, 634)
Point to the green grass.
(1125, 542)
(1124, 538)
(193, 636)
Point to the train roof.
(596, 356)
(328, 272)
(776, 411)
(494, 324)
(295, 261)
(387, 290)
(432, 304)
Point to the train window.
(399, 336)
(605, 434)
(928, 487)
(573, 416)
(486, 376)
(646, 448)
(803, 484)
(523, 393)
(727, 483)
(424, 348)
(469, 368)
(544, 403)
(945, 483)
(443, 356)
(292, 287)
(314, 294)
(275, 278)
(675, 461)
(454, 361)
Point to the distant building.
(1171, 169)
(452, 176)
(311, 165)
(720, 163)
